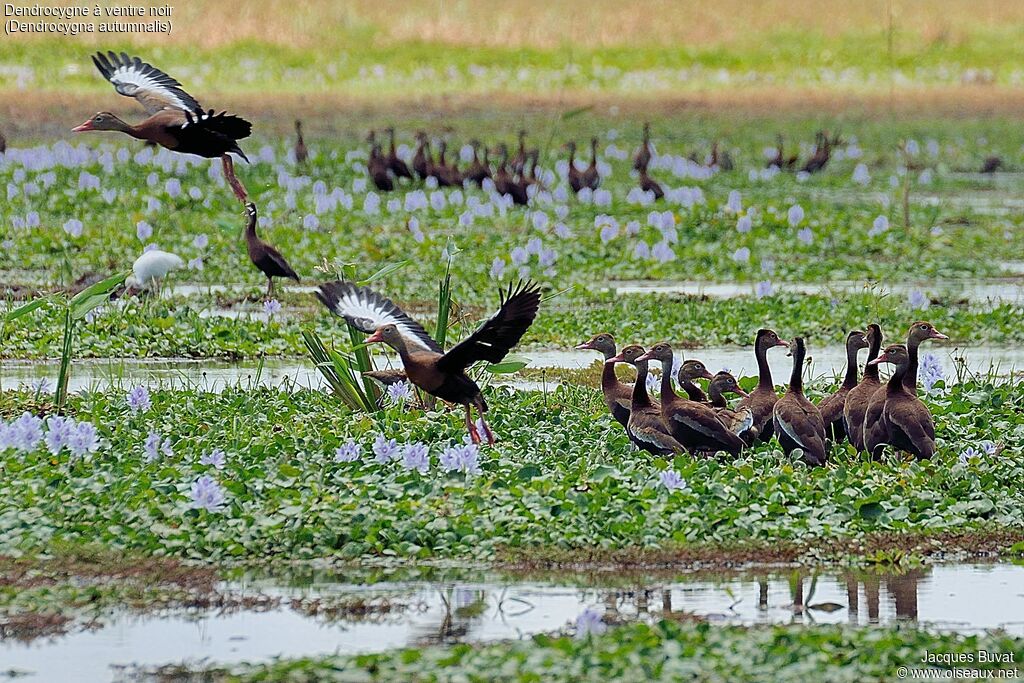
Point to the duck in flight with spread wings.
(176, 120)
(426, 364)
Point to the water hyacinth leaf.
(528, 472)
(508, 366)
(603, 472)
(94, 295)
(871, 510)
(25, 309)
(384, 272)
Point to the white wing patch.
(367, 310)
(132, 77)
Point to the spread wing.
(366, 310)
(500, 333)
(153, 89)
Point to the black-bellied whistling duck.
(530, 170)
(689, 372)
(301, 152)
(518, 163)
(643, 155)
(876, 431)
(377, 166)
(831, 407)
(822, 153)
(176, 120)
(421, 161)
(695, 425)
(780, 160)
(447, 175)
(856, 405)
(721, 160)
(909, 424)
(478, 170)
(504, 183)
(798, 423)
(648, 184)
(617, 395)
(761, 400)
(264, 256)
(3, 143)
(591, 178)
(427, 365)
(646, 425)
(737, 421)
(395, 165)
(575, 175)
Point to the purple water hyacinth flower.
(590, 622)
(642, 250)
(663, 253)
(563, 231)
(918, 300)
(201, 241)
(741, 255)
(138, 399)
(768, 265)
(795, 215)
(155, 445)
(59, 432)
(912, 147)
(385, 450)
(206, 494)
(497, 267)
(930, 371)
(143, 231)
(534, 245)
(271, 308)
(743, 224)
(349, 451)
(735, 201)
(85, 439)
(464, 457)
(73, 227)
(609, 232)
(173, 188)
(546, 257)
(416, 456)
(989, 447)
(196, 263)
(878, 226)
(968, 454)
(310, 222)
(540, 220)
(763, 289)
(7, 437)
(215, 458)
(861, 176)
(519, 256)
(671, 480)
(806, 236)
(633, 228)
(400, 392)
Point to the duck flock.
(871, 415)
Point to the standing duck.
(648, 184)
(617, 395)
(426, 364)
(780, 161)
(646, 425)
(720, 160)
(761, 400)
(591, 178)
(737, 421)
(689, 372)
(3, 143)
(832, 407)
(798, 423)
(695, 425)
(301, 152)
(505, 184)
(876, 431)
(395, 164)
(478, 170)
(855, 407)
(176, 120)
(643, 155)
(575, 176)
(377, 166)
(909, 424)
(518, 163)
(421, 162)
(264, 256)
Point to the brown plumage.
(421, 161)
(176, 120)
(377, 166)
(780, 160)
(822, 152)
(876, 430)
(397, 167)
(721, 160)
(761, 400)
(831, 407)
(991, 164)
(798, 423)
(264, 256)
(737, 421)
(643, 155)
(301, 153)
(426, 364)
(689, 372)
(909, 425)
(646, 425)
(505, 184)
(3, 143)
(590, 177)
(855, 407)
(518, 163)
(695, 425)
(478, 170)
(447, 175)
(617, 395)
(576, 181)
(648, 184)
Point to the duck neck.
(667, 392)
(716, 396)
(850, 380)
(593, 153)
(693, 392)
(895, 385)
(796, 378)
(871, 371)
(764, 372)
(608, 377)
(910, 378)
(640, 397)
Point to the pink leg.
(473, 433)
(487, 430)
(236, 184)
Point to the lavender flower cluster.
(28, 432)
(414, 456)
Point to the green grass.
(561, 476)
